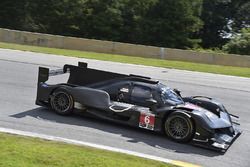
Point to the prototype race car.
(140, 102)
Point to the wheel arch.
(60, 87)
(62, 101)
(180, 111)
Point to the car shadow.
(135, 135)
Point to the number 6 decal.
(147, 121)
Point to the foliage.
(215, 16)
(221, 19)
(240, 15)
(240, 43)
(171, 23)
(166, 23)
(12, 13)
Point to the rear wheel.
(179, 127)
(62, 102)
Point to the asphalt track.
(18, 79)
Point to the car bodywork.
(140, 101)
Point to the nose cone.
(222, 121)
(219, 120)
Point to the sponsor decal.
(147, 121)
(125, 90)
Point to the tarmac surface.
(18, 80)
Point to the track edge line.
(98, 146)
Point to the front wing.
(220, 141)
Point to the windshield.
(169, 96)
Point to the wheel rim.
(61, 102)
(178, 128)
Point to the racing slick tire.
(179, 127)
(62, 102)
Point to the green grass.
(216, 69)
(17, 151)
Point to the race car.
(141, 102)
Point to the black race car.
(140, 102)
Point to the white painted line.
(98, 146)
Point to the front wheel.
(179, 127)
(62, 102)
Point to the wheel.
(179, 127)
(62, 102)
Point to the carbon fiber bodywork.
(136, 101)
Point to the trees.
(47, 16)
(216, 16)
(101, 19)
(240, 43)
(133, 15)
(240, 15)
(171, 23)
(55, 16)
(13, 14)
(222, 18)
(167, 23)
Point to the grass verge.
(216, 69)
(29, 152)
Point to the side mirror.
(151, 103)
(178, 92)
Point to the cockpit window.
(140, 94)
(169, 96)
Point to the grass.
(216, 69)
(17, 151)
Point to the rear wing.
(44, 73)
(79, 75)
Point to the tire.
(62, 102)
(179, 127)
